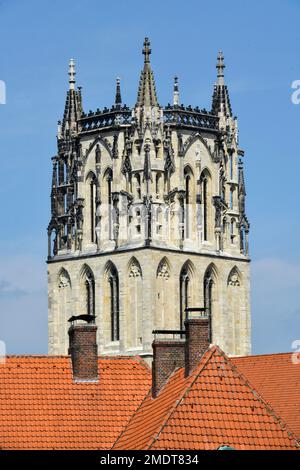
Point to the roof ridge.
(143, 362)
(67, 356)
(213, 349)
(270, 410)
(209, 352)
(262, 355)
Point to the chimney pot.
(197, 341)
(84, 352)
(168, 355)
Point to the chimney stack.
(84, 352)
(197, 330)
(168, 355)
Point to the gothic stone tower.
(148, 217)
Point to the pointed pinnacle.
(147, 50)
(220, 68)
(176, 92)
(72, 74)
(118, 99)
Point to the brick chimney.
(84, 352)
(168, 354)
(197, 330)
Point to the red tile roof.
(277, 378)
(41, 407)
(214, 406)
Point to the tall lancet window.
(109, 202)
(89, 288)
(187, 203)
(188, 178)
(91, 207)
(209, 286)
(113, 279)
(162, 317)
(134, 305)
(185, 290)
(205, 193)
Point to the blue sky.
(261, 44)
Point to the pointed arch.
(134, 268)
(163, 268)
(234, 277)
(210, 288)
(192, 139)
(111, 312)
(87, 281)
(64, 305)
(206, 204)
(134, 305)
(107, 205)
(90, 176)
(212, 271)
(86, 271)
(90, 205)
(64, 279)
(188, 169)
(102, 141)
(189, 186)
(186, 289)
(163, 318)
(234, 310)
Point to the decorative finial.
(147, 50)
(118, 100)
(176, 92)
(72, 74)
(220, 68)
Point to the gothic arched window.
(135, 305)
(234, 310)
(209, 285)
(185, 290)
(113, 280)
(92, 209)
(88, 290)
(204, 199)
(188, 179)
(90, 294)
(109, 203)
(162, 315)
(91, 206)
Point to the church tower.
(148, 218)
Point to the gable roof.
(214, 406)
(277, 378)
(41, 407)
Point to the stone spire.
(72, 74)
(220, 68)
(118, 99)
(220, 101)
(73, 105)
(176, 92)
(147, 91)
